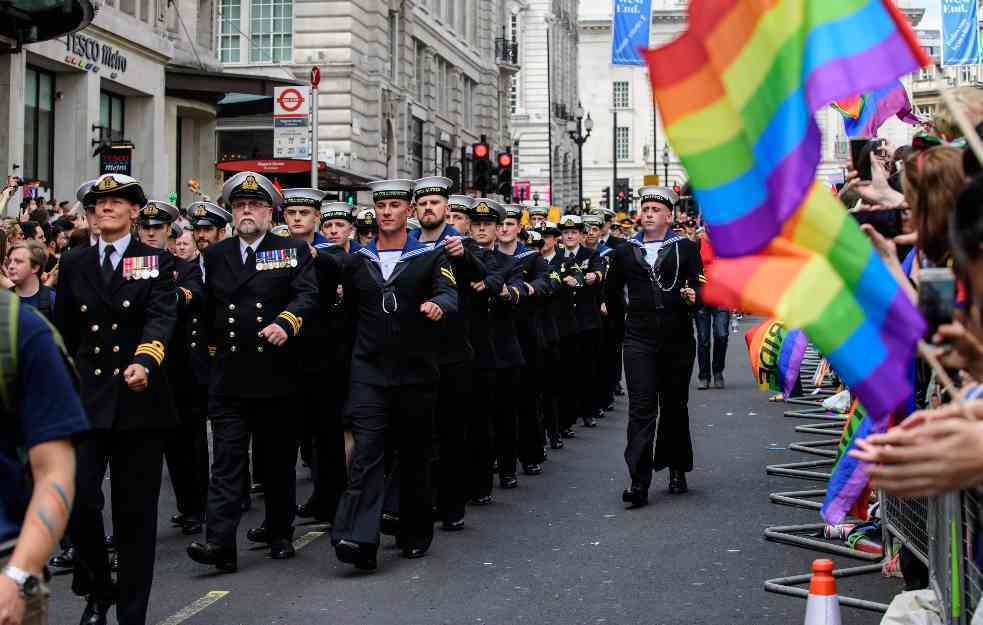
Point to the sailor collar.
(411, 248)
(522, 251)
(671, 237)
(320, 242)
(448, 231)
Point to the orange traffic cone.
(823, 607)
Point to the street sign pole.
(315, 80)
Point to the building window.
(416, 149)
(621, 99)
(469, 87)
(442, 84)
(514, 85)
(927, 73)
(39, 125)
(271, 31)
(967, 74)
(419, 66)
(393, 44)
(622, 144)
(442, 159)
(230, 25)
(112, 115)
(925, 110)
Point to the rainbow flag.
(738, 93)
(776, 355)
(848, 487)
(864, 115)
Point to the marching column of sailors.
(451, 346)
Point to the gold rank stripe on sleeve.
(703, 279)
(447, 273)
(186, 292)
(154, 349)
(515, 294)
(294, 321)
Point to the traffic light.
(606, 197)
(631, 197)
(676, 188)
(482, 167)
(621, 201)
(505, 176)
(348, 197)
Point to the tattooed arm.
(53, 468)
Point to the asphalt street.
(559, 550)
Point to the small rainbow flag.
(864, 115)
(847, 487)
(738, 92)
(776, 355)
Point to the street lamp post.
(665, 163)
(576, 130)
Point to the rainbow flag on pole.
(864, 115)
(776, 355)
(738, 92)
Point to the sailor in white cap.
(661, 272)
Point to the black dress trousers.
(453, 457)
(135, 461)
(659, 352)
(233, 419)
(401, 417)
(328, 443)
(186, 452)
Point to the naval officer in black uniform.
(259, 290)
(186, 452)
(662, 272)
(399, 290)
(116, 309)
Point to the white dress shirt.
(255, 245)
(119, 247)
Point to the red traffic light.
(676, 188)
(621, 195)
(504, 160)
(481, 150)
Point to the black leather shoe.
(609, 407)
(191, 527)
(508, 482)
(95, 612)
(309, 511)
(412, 553)
(389, 524)
(568, 433)
(703, 385)
(637, 496)
(483, 500)
(257, 488)
(677, 482)
(179, 519)
(556, 443)
(64, 560)
(222, 558)
(718, 381)
(532, 469)
(258, 535)
(282, 549)
(452, 526)
(351, 552)
(589, 422)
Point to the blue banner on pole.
(960, 33)
(630, 31)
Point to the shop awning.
(197, 84)
(329, 176)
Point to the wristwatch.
(28, 584)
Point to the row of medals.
(276, 264)
(142, 272)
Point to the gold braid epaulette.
(294, 321)
(154, 349)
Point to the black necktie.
(107, 264)
(250, 263)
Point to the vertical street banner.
(630, 31)
(960, 33)
(291, 123)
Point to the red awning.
(271, 166)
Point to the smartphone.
(936, 296)
(886, 222)
(856, 147)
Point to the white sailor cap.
(571, 221)
(398, 189)
(663, 195)
(432, 185)
(115, 185)
(302, 196)
(512, 211)
(83, 191)
(592, 220)
(460, 204)
(539, 211)
(336, 210)
(250, 185)
(156, 213)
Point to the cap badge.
(200, 211)
(150, 210)
(249, 184)
(108, 183)
(482, 208)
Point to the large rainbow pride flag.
(738, 92)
